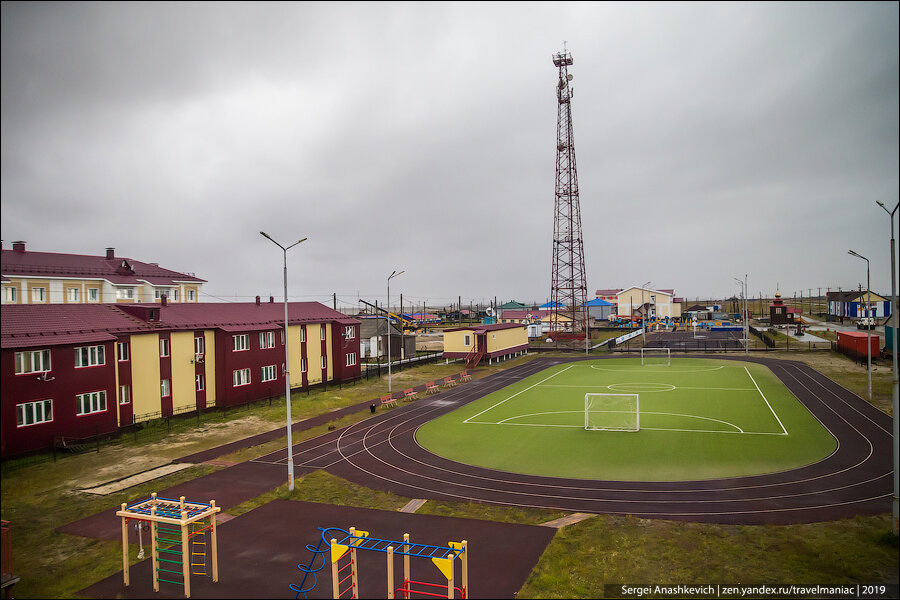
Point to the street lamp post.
(643, 314)
(745, 315)
(391, 276)
(868, 327)
(287, 363)
(896, 378)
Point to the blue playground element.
(345, 538)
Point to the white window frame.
(159, 292)
(165, 388)
(270, 370)
(240, 342)
(266, 339)
(199, 345)
(44, 360)
(175, 294)
(9, 293)
(322, 362)
(124, 394)
(282, 337)
(90, 356)
(199, 382)
(351, 359)
(164, 349)
(349, 332)
(125, 293)
(322, 332)
(191, 295)
(95, 296)
(467, 340)
(23, 410)
(303, 365)
(122, 352)
(38, 294)
(240, 377)
(94, 402)
(73, 294)
(303, 334)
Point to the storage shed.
(476, 342)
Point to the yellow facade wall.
(294, 355)
(17, 284)
(181, 349)
(38, 283)
(209, 362)
(454, 341)
(506, 338)
(313, 354)
(145, 392)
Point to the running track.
(382, 453)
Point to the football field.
(698, 419)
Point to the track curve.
(382, 453)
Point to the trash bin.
(372, 408)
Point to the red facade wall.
(67, 381)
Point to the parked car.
(866, 323)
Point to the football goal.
(656, 357)
(611, 412)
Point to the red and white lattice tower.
(568, 287)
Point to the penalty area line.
(766, 401)
(516, 394)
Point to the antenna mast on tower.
(568, 287)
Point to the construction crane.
(407, 323)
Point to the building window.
(191, 295)
(351, 359)
(92, 402)
(124, 394)
(241, 377)
(32, 361)
(349, 332)
(199, 345)
(38, 294)
(163, 347)
(322, 362)
(93, 294)
(90, 356)
(268, 373)
(199, 383)
(303, 365)
(158, 293)
(322, 332)
(240, 342)
(303, 334)
(467, 340)
(9, 294)
(32, 413)
(125, 293)
(73, 294)
(175, 294)
(266, 339)
(122, 351)
(165, 388)
(282, 337)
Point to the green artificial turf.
(699, 419)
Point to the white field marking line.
(673, 387)
(766, 400)
(640, 369)
(419, 476)
(517, 393)
(581, 412)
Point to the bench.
(449, 382)
(464, 376)
(388, 400)
(431, 388)
(410, 394)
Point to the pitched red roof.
(524, 314)
(51, 264)
(486, 328)
(28, 325)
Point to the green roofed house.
(511, 305)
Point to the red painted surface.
(126, 411)
(67, 382)
(853, 343)
(165, 372)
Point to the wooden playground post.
(125, 573)
(465, 568)
(185, 551)
(154, 548)
(390, 572)
(354, 572)
(335, 589)
(215, 544)
(450, 589)
(405, 561)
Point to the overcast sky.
(711, 141)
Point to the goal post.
(656, 357)
(612, 412)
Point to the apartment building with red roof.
(80, 370)
(54, 278)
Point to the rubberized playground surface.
(699, 419)
(260, 550)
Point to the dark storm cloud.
(711, 141)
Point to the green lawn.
(699, 419)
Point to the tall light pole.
(868, 327)
(896, 330)
(287, 363)
(391, 276)
(746, 321)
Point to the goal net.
(611, 412)
(655, 357)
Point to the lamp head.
(880, 203)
